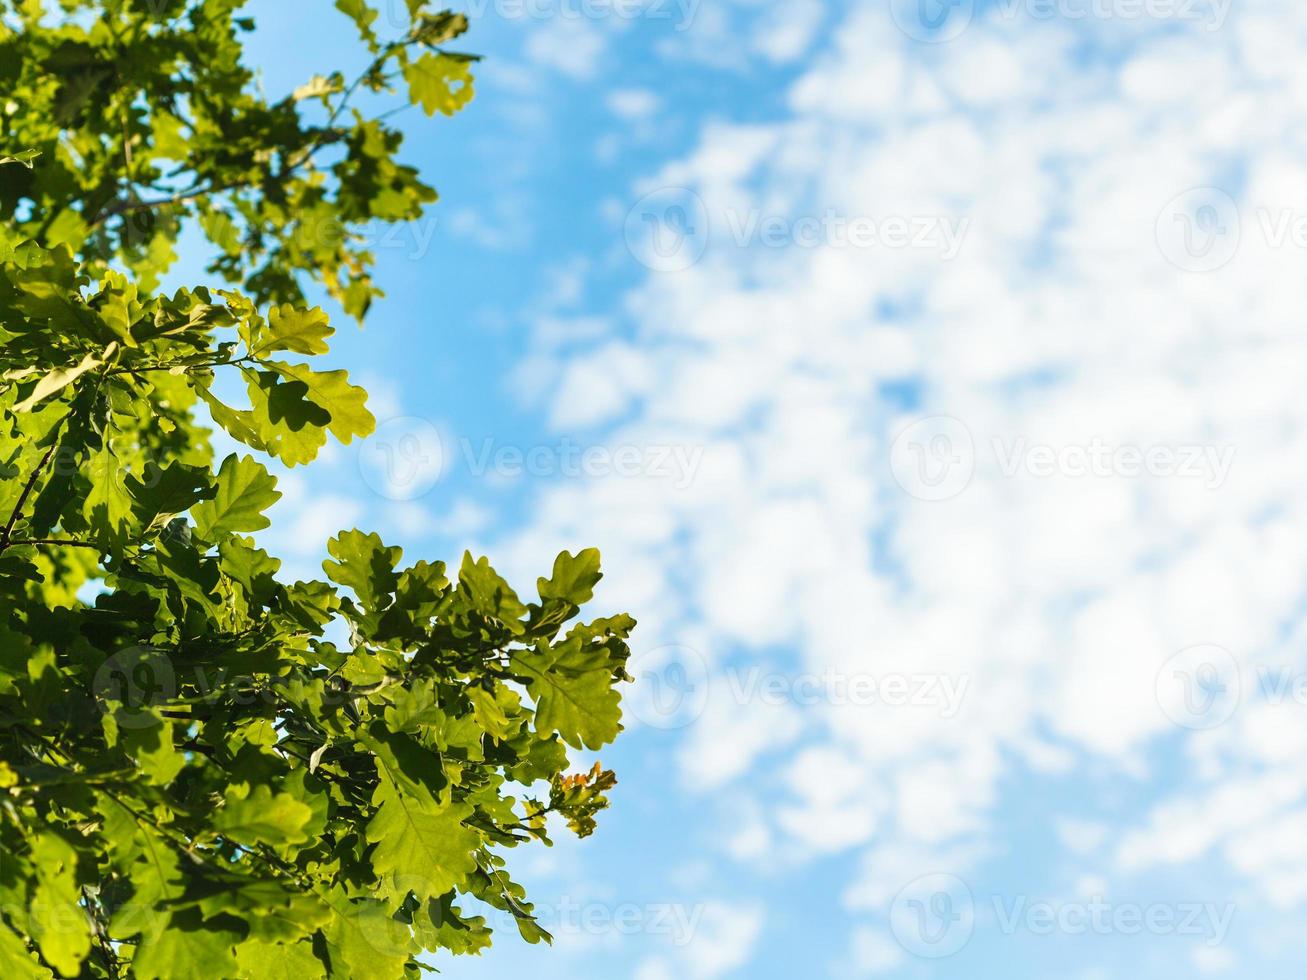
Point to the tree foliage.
(207, 771)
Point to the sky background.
(930, 376)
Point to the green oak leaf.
(208, 769)
(149, 741)
(262, 817)
(365, 941)
(284, 420)
(428, 847)
(162, 493)
(574, 578)
(496, 710)
(331, 392)
(257, 960)
(16, 961)
(108, 505)
(291, 329)
(572, 685)
(445, 926)
(62, 933)
(186, 946)
(489, 594)
(25, 157)
(245, 489)
(365, 565)
(57, 379)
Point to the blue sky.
(930, 377)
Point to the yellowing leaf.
(439, 82)
(317, 87)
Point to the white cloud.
(723, 941)
(784, 32)
(1212, 960)
(633, 104)
(571, 46)
(874, 952)
(1062, 321)
(1081, 836)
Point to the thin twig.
(6, 534)
(129, 206)
(51, 542)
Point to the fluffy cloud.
(1126, 377)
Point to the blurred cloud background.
(925, 371)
